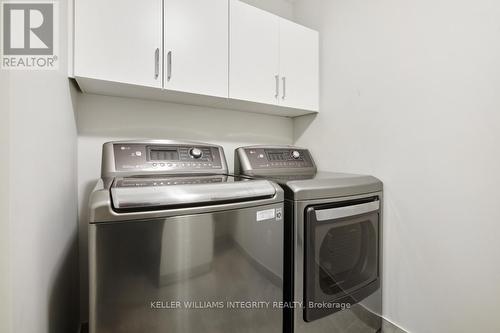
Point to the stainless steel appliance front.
(177, 245)
(214, 272)
(333, 263)
(355, 306)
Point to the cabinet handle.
(284, 87)
(169, 65)
(157, 63)
(277, 92)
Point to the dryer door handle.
(347, 211)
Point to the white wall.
(5, 294)
(43, 199)
(283, 8)
(410, 93)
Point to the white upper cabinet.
(119, 40)
(220, 53)
(196, 46)
(254, 54)
(299, 66)
(272, 60)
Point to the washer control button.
(295, 154)
(195, 152)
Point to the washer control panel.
(167, 181)
(259, 160)
(164, 157)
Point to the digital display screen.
(276, 156)
(163, 155)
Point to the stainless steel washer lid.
(129, 194)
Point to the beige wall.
(410, 93)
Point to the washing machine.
(177, 245)
(333, 242)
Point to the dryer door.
(341, 255)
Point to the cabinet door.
(299, 66)
(119, 40)
(254, 54)
(196, 46)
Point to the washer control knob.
(195, 152)
(295, 154)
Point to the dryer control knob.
(195, 152)
(295, 154)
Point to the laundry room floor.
(387, 327)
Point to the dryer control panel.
(272, 160)
(161, 156)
